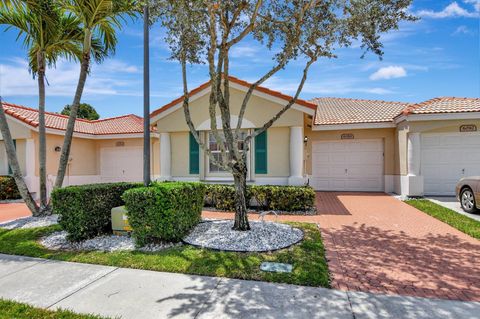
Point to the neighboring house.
(333, 144)
(104, 150)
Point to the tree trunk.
(42, 143)
(240, 179)
(13, 162)
(67, 142)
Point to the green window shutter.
(194, 155)
(10, 172)
(261, 153)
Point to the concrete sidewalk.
(129, 293)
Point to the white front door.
(355, 165)
(447, 157)
(121, 164)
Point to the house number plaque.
(468, 128)
(347, 136)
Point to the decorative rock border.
(263, 236)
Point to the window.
(216, 152)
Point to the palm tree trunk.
(13, 162)
(67, 142)
(42, 143)
(240, 179)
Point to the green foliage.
(85, 111)
(8, 188)
(266, 197)
(222, 196)
(308, 257)
(164, 211)
(463, 223)
(283, 198)
(17, 310)
(85, 210)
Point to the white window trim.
(221, 175)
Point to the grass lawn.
(462, 223)
(308, 259)
(12, 309)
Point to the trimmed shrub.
(164, 211)
(265, 197)
(284, 198)
(222, 196)
(8, 188)
(84, 210)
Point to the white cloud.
(453, 10)
(114, 77)
(389, 72)
(244, 51)
(333, 87)
(463, 29)
(475, 3)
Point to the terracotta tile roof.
(126, 124)
(240, 82)
(445, 105)
(351, 111)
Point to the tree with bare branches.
(205, 31)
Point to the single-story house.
(333, 144)
(105, 150)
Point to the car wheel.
(467, 200)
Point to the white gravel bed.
(263, 236)
(107, 243)
(30, 222)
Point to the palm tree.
(48, 34)
(98, 19)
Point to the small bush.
(164, 211)
(284, 198)
(222, 196)
(84, 210)
(8, 188)
(265, 197)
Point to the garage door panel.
(349, 165)
(446, 158)
(121, 164)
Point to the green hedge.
(85, 210)
(265, 197)
(164, 211)
(222, 196)
(8, 188)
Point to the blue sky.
(436, 56)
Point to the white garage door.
(446, 158)
(348, 165)
(121, 164)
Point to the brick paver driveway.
(377, 243)
(13, 211)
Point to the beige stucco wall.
(278, 152)
(442, 126)
(386, 134)
(179, 143)
(259, 111)
(21, 148)
(17, 130)
(19, 133)
(83, 154)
